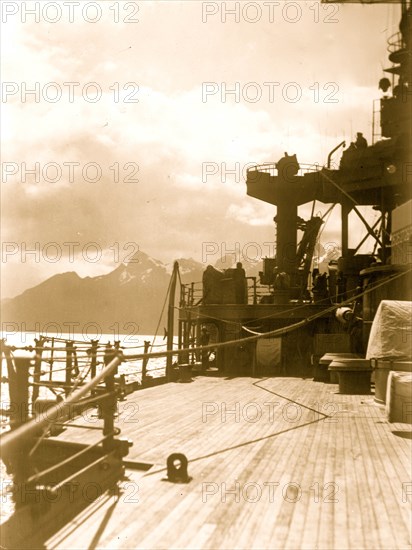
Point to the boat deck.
(276, 463)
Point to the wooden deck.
(269, 468)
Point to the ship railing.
(40, 465)
(30, 424)
(23, 424)
(251, 290)
(270, 168)
(395, 42)
(191, 294)
(263, 291)
(59, 366)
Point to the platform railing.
(191, 294)
(395, 42)
(270, 168)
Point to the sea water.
(130, 344)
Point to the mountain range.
(128, 300)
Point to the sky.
(129, 126)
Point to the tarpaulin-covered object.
(391, 332)
(268, 353)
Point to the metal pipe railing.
(270, 167)
(342, 144)
(61, 410)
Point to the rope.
(162, 312)
(276, 332)
(327, 213)
(303, 306)
(259, 439)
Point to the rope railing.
(62, 357)
(79, 344)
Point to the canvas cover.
(391, 332)
(268, 353)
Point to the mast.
(170, 319)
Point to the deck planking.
(297, 452)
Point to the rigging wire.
(162, 312)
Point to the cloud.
(253, 214)
(172, 164)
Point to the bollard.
(177, 469)
(185, 374)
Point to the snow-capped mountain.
(128, 299)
